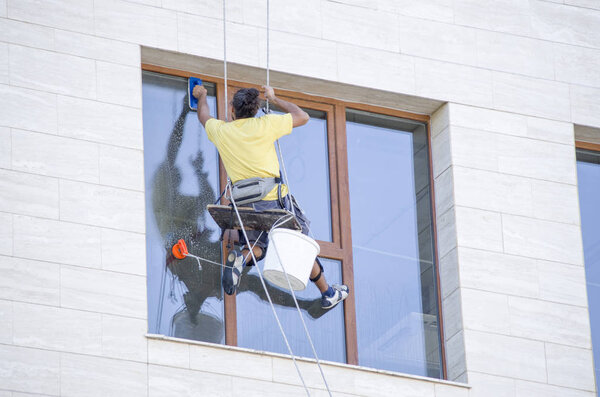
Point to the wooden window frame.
(340, 248)
(595, 147)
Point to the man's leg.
(236, 260)
(320, 282)
(330, 295)
(256, 250)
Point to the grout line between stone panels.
(74, 223)
(541, 341)
(60, 178)
(82, 310)
(513, 135)
(54, 29)
(77, 266)
(57, 135)
(512, 295)
(510, 174)
(61, 352)
(515, 215)
(77, 97)
(507, 377)
(53, 50)
(443, 171)
(574, 6)
(519, 256)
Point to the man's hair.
(245, 103)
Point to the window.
(182, 174)
(392, 244)
(362, 176)
(588, 175)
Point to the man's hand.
(199, 92)
(299, 116)
(269, 93)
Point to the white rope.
(199, 258)
(268, 50)
(262, 281)
(289, 192)
(251, 251)
(301, 316)
(225, 58)
(285, 178)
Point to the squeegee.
(192, 82)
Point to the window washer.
(246, 146)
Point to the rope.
(251, 251)
(199, 258)
(262, 281)
(302, 318)
(285, 177)
(225, 57)
(287, 182)
(268, 50)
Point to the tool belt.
(251, 190)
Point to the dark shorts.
(263, 240)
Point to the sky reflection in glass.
(588, 175)
(393, 274)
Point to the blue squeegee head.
(192, 82)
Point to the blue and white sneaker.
(232, 273)
(340, 292)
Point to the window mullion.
(346, 232)
(229, 300)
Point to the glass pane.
(257, 328)
(307, 162)
(394, 272)
(181, 171)
(588, 175)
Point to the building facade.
(477, 121)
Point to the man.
(246, 146)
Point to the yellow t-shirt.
(247, 148)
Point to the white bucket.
(297, 253)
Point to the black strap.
(318, 276)
(279, 181)
(222, 194)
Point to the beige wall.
(516, 75)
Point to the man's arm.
(199, 93)
(299, 116)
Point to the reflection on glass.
(588, 175)
(394, 272)
(181, 172)
(257, 328)
(307, 162)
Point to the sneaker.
(232, 272)
(340, 293)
